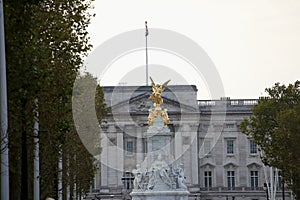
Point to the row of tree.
(275, 127)
(46, 41)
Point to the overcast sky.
(253, 44)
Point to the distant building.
(220, 162)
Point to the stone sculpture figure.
(138, 177)
(161, 170)
(181, 178)
(151, 180)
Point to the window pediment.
(230, 165)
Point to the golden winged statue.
(157, 89)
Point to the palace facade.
(220, 163)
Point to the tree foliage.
(275, 127)
(88, 111)
(46, 41)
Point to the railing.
(222, 189)
(228, 102)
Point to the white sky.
(253, 44)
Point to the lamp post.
(127, 180)
(283, 195)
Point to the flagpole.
(146, 36)
(3, 110)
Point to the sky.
(252, 44)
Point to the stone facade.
(220, 163)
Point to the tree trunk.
(24, 165)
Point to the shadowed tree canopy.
(46, 42)
(275, 127)
(89, 108)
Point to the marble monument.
(159, 176)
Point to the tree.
(275, 127)
(89, 109)
(46, 42)
(87, 106)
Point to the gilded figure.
(157, 90)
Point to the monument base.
(161, 195)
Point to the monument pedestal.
(161, 195)
(159, 176)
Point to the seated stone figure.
(161, 169)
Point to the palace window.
(230, 179)
(229, 125)
(253, 147)
(207, 147)
(145, 148)
(254, 179)
(129, 147)
(230, 146)
(207, 179)
(205, 126)
(278, 176)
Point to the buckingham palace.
(219, 161)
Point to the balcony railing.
(228, 102)
(224, 189)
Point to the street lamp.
(127, 180)
(283, 193)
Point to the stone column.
(139, 145)
(194, 158)
(120, 158)
(177, 145)
(104, 146)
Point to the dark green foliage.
(100, 106)
(89, 109)
(46, 41)
(275, 127)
